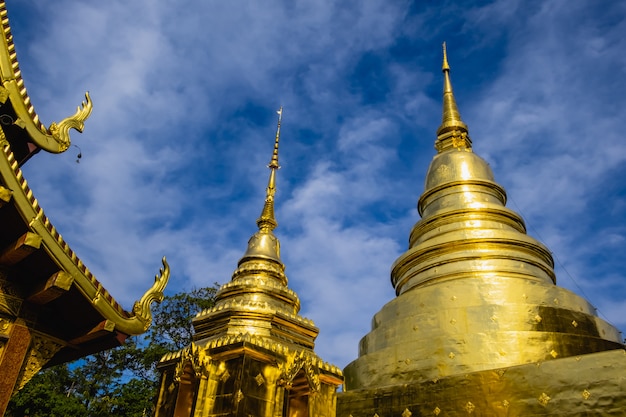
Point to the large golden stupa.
(478, 326)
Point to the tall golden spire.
(482, 293)
(263, 243)
(453, 132)
(258, 292)
(267, 221)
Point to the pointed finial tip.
(274, 162)
(267, 222)
(445, 66)
(451, 118)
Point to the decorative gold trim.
(194, 356)
(261, 342)
(41, 351)
(141, 308)
(61, 132)
(297, 361)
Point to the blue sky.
(185, 93)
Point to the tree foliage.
(121, 381)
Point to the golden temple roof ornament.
(452, 132)
(56, 137)
(61, 131)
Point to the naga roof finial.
(452, 133)
(266, 221)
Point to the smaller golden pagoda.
(252, 353)
(478, 326)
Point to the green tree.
(122, 381)
(48, 394)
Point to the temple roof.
(42, 280)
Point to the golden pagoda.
(52, 308)
(478, 326)
(252, 353)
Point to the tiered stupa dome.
(474, 291)
(257, 301)
(252, 353)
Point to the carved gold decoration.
(407, 413)
(41, 351)
(194, 357)
(544, 399)
(436, 411)
(295, 362)
(60, 131)
(10, 305)
(460, 139)
(4, 325)
(225, 376)
(238, 397)
(141, 308)
(469, 407)
(259, 379)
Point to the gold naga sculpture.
(54, 138)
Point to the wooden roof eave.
(55, 138)
(130, 323)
